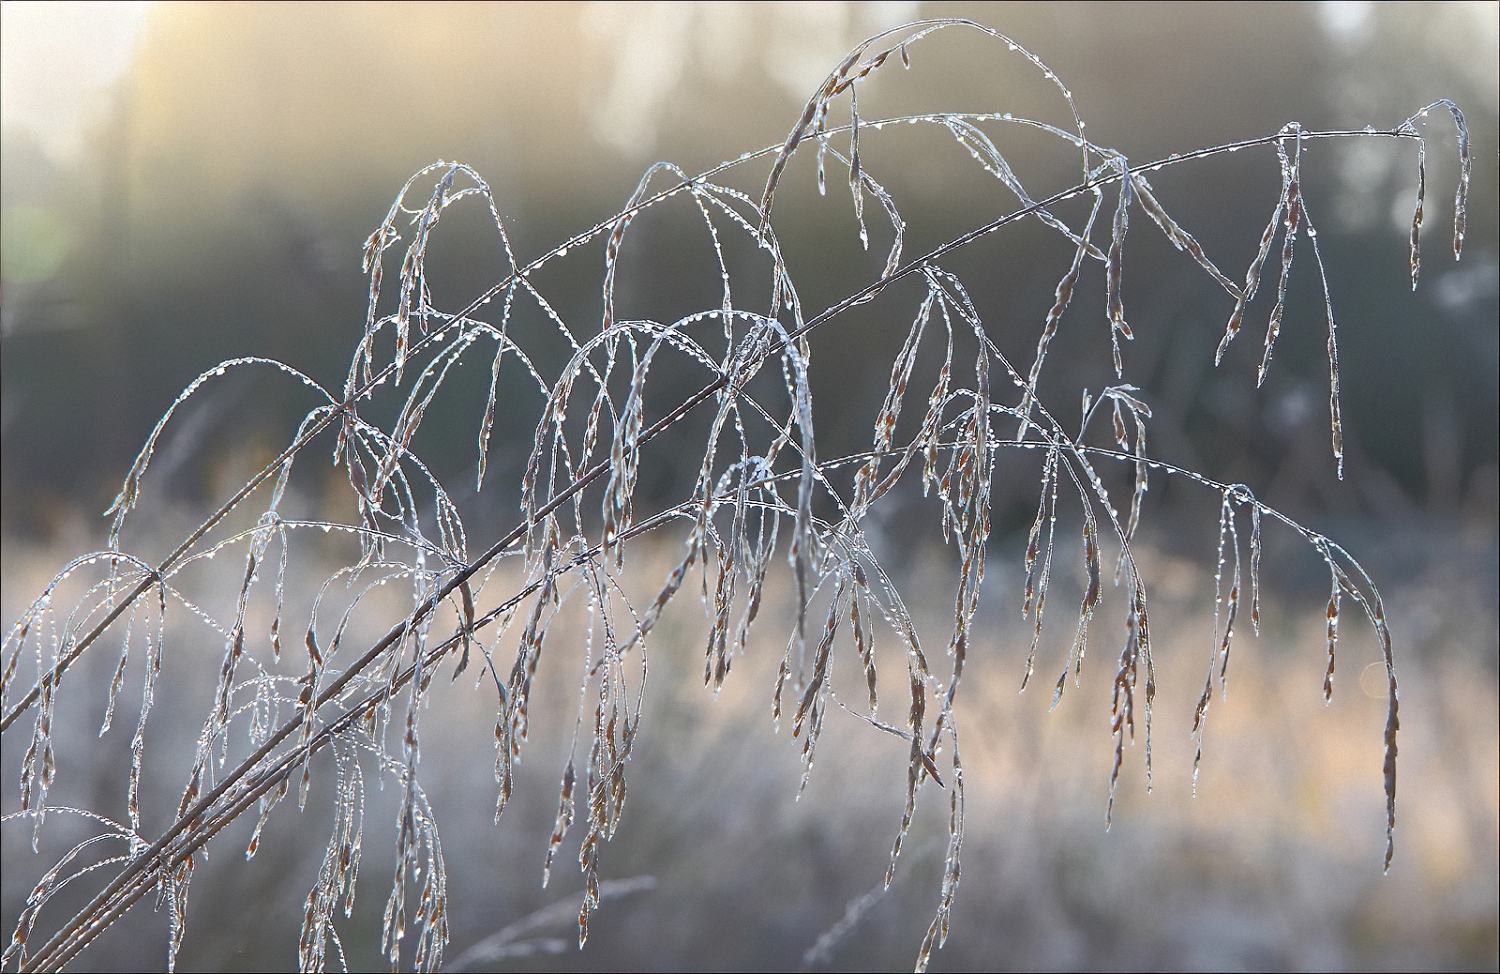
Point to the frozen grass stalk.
(347, 711)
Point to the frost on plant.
(765, 498)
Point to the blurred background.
(184, 183)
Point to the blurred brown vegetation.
(1274, 863)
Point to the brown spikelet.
(1392, 725)
(1335, 411)
(1255, 565)
(1416, 216)
(1465, 167)
(1252, 276)
(820, 665)
(1061, 297)
(1037, 577)
(1122, 706)
(118, 679)
(1091, 590)
(937, 931)
(1333, 638)
(781, 674)
(915, 767)
(1114, 269)
(563, 821)
(815, 105)
(864, 639)
(1292, 166)
(856, 181)
(1179, 237)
